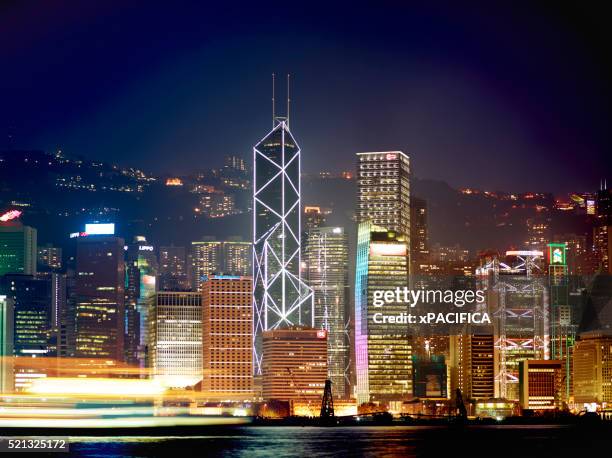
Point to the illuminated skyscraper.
(142, 284)
(562, 316)
(383, 350)
(206, 259)
(237, 257)
(33, 331)
(326, 259)
(602, 245)
(227, 331)
(175, 338)
(6, 344)
(100, 297)
(472, 362)
(592, 367)
(280, 298)
(419, 243)
(517, 300)
(383, 192)
(209, 256)
(17, 248)
(32, 313)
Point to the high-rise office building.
(132, 344)
(66, 334)
(280, 297)
(326, 259)
(6, 344)
(209, 256)
(603, 205)
(473, 365)
(58, 302)
(563, 317)
(592, 368)
(517, 302)
(227, 331)
(49, 257)
(17, 248)
(141, 268)
(383, 190)
(294, 364)
(173, 269)
(33, 335)
(175, 338)
(31, 297)
(237, 257)
(100, 297)
(541, 384)
(602, 246)
(419, 242)
(207, 259)
(383, 350)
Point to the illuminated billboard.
(388, 249)
(556, 253)
(100, 229)
(9, 215)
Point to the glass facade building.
(17, 249)
(280, 297)
(326, 259)
(383, 350)
(100, 297)
(6, 344)
(209, 256)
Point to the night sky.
(490, 96)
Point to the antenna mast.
(273, 102)
(288, 98)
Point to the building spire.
(273, 103)
(288, 97)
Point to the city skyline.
(271, 217)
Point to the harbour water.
(375, 441)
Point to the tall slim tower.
(383, 350)
(100, 297)
(326, 259)
(280, 298)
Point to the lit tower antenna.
(288, 97)
(280, 298)
(273, 103)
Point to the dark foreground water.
(375, 441)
